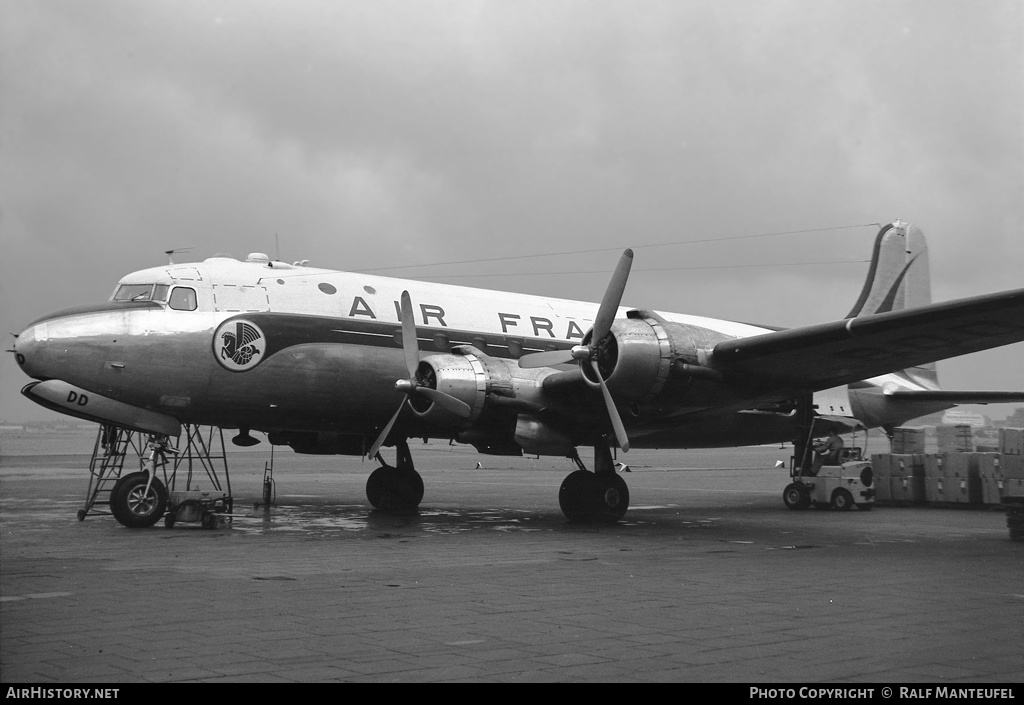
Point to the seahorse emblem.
(240, 344)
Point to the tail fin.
(899, 278)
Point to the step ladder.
(106, 465)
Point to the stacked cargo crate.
(899, 476)
(1011, 450)
(948, 473)
(1011, 446)
(954, 475)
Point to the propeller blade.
(410, 345)
(548, 358)
(612, 298)
(445, 401)
(613, 413)
(375, 448)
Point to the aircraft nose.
(28, 350)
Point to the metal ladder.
(105, 466)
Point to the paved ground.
(710, 578)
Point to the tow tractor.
(841, 482)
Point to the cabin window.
(134, 292)
(183, 299)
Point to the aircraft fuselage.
(282, 348)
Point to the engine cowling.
(636, 359)
(643, 350)
(464, 377)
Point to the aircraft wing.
(830, 354)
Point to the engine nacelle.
(483, 383)
(644, 350)
(464, 377)
(636, 360)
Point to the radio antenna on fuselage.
(170, 253)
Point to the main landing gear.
(600, 496)
(398, 488)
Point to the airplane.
(346, 363)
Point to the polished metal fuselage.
(275, 347)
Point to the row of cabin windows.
(182, 298)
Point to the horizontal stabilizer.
(955, 397)
(841, 352)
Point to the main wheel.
(609, 497)
(135, 507)
(390, 489)
(574, 496)
(796, 496)
(842, 500)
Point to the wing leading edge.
(841, 352)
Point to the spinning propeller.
(415, 385)
(600, 339)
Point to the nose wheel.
(136, 502)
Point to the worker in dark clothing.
(828, 452)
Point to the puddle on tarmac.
(30, 514)
(324, 519)
(304, 517)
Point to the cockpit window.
(134, 292)
(160, 292)
(183, 299)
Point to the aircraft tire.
(842, 500)
(115, 493)
(133, 507)
(796, 496)
(609, 497)
(575, 493)
(390, 490)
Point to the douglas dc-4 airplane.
(311, 357)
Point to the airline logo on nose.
(239, 345)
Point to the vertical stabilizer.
(899, 278)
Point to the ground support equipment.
(138, 499)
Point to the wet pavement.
(708, 578)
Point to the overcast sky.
(373, 133)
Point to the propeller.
(600, 336)
(414, 385)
